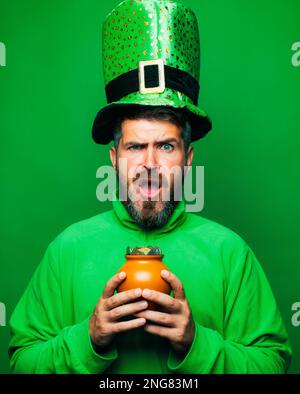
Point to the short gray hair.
(172, 115)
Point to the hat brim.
(102, 131)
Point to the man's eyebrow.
(166, 141)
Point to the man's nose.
(150, 158)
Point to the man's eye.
(172, 147)
(138, 147)
(134, 146)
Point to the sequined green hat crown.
(151, 56)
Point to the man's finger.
(129, 309)
(175, 283)
(157, 317)
(122, 298)
(164, 332)
(112, 284)
(127, 325)
(162, 299)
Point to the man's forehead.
(147, 131)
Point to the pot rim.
(144, 256)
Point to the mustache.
(144, 178)
(150, 177)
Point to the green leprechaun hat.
(151, 56)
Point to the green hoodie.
(238, 326)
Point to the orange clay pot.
(143, 271)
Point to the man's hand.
(103, 324)
(175, 322)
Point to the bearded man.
(222, 316)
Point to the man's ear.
(189, 160)
(190, 155)
(113, 157)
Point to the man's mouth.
(149, 189)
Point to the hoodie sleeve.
(254, 338)
(40, 343)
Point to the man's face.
(150, 145)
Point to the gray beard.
(151, 220)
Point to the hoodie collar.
(125, 219)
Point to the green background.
(52, 87)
